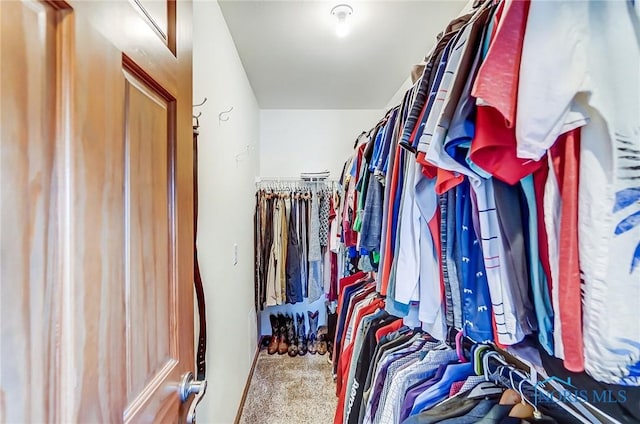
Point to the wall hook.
(246, 152)
(200, 104)
(196, 117)
(226, 118)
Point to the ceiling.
(294, 60)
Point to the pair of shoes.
(279, 334)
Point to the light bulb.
(342, 28)
(342, 12)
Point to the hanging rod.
(295, 179)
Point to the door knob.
(189, 386)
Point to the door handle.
(189, 386)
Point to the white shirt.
(593, 76)
(552, 216)
(430, 310)
(551, 75)
(408, 240)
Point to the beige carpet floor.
(287, 390)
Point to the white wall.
(227, 186)
(295, 141)
(397, 98)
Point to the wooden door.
(97, 222)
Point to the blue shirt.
(383, 159)
(440, 390)
(476, 300)
(539, 286)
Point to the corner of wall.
(228, 162)
(397, 97)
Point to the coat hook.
(196, 117)
(200, 104)
(221, 119)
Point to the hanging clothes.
(292, 225)
(485, 205)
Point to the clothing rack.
(508, 374)
(287, 183)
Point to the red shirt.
(345, 360)
(565, 155)
(390, 328)
(494, 144)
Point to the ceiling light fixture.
(342, 12)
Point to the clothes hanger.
(477, 358)
(559, 402)
(521, 409)
(459, 348)
(530, 405)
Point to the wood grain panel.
(94, 336)
(29, 259)
(150, 281)
(69, 181)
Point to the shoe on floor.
(302, 335)
(312, 342)
(321, 345)
(292, 337)
(275, 330)
(283, 345)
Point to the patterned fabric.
(324, 218)
(455, 388)
(471, 382)
(315, 253)
(418, 371)
(384, 414)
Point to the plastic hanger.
(521, 409)
(478, 357)
(459, 348)
(500, 359)
(524, 408)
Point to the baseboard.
(247, 384)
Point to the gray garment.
(452, 267)
(478, 413)
(315, 252)
(316, 281)
(371, 230)
(453, 409)
(324, 219)
(509, 211)
(443, 200)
